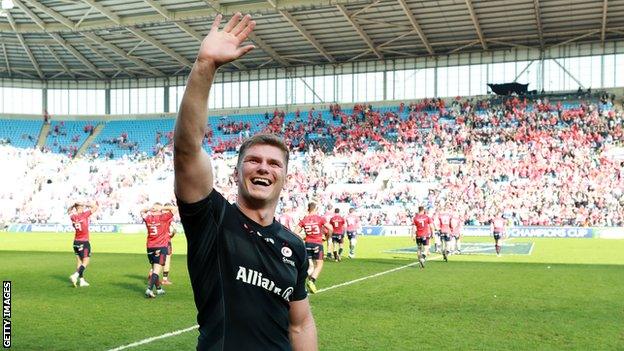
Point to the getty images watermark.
(6, 314)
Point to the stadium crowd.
(537, 162)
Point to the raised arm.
(193, 170)
(93, 207)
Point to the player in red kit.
(286, 219)
(171, 232)
(456, 227)
(436, 232)
(498, 231)
(421, 232)
(330, 244)
(444, 226)
(79, 214)
(338, 225)
(312, 226)
(353, 226)
(157, 242)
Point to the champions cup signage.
(550, 232)
(485, 231)
(60, 228)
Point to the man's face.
(262, 173)
(80, 208)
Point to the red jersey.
(422, 223)
(444, 223)
(456, 225)
(498, 225)
(353, 222)
(312, 225)
(166, 221)
(80, 221)
(338, 223)
(157, 230)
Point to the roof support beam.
(57, 16)
(30, 14)
(360, 31)
(365, 8)
(412, 19)
(26, 48)
(78, 55)
(183, 26)
(58, 59)
(182, 15)
(605, 5)
(475, 21)
(269, 50)
(302, 30)
(122, 53)
(568, 73)
(538, 20)
(65, 21)
(253, 37)
(107, 58)
(103, 10)
(6, 59)
(139, 33)
(593, 32)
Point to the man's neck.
(263, 216)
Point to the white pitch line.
(178, 332)
(154, 338)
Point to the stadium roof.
(108, 39)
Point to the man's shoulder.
(290, 237)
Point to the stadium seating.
(20, 133)
(67, 135)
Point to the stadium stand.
(541, 161)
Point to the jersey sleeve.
(167, 216)
(300, 293)
(202, 218)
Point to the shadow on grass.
(141, 278)
(135, 288)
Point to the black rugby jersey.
(243, 276)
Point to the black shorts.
(351, 235)
(445, 236)
(157, 255)
(338, 238)
(422, 240)
(82, 249)
(498, 236)
(314, 251)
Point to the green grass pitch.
(568, 294)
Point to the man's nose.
(263, 167)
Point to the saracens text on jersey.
(253, 277)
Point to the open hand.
(221, 47)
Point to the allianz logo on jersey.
(253, 277)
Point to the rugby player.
(311, 225)
(79, 214)
(422, 230)
(353, 226)
(247, 271)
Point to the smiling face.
(261, 175)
